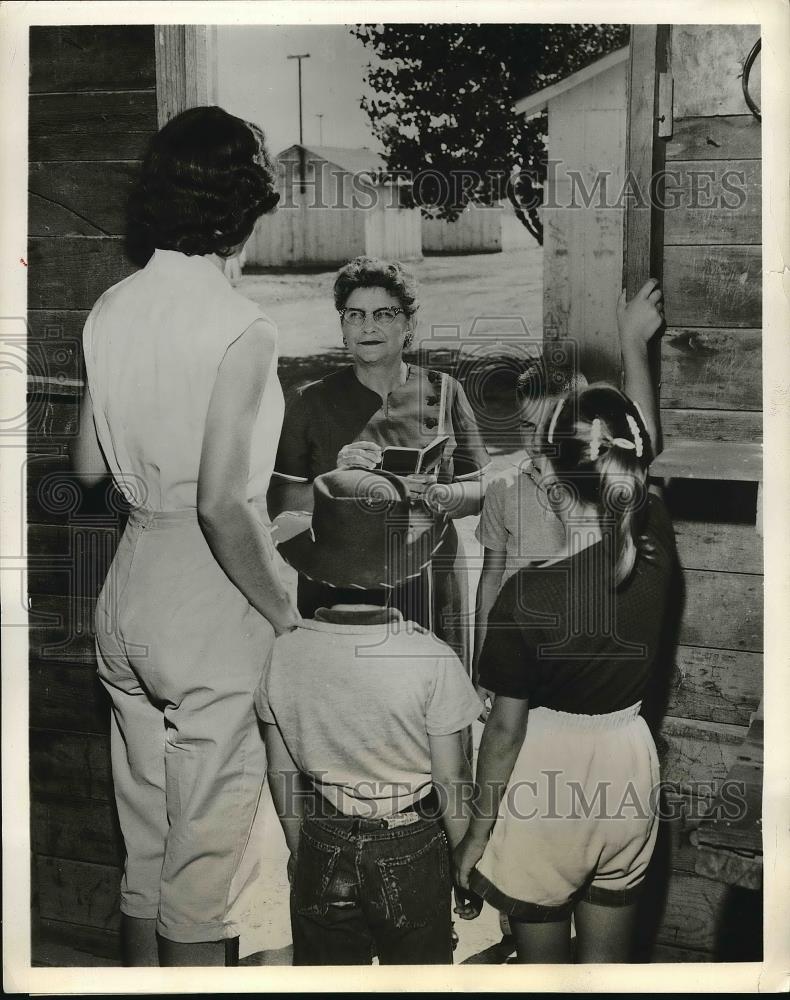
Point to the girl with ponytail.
(567, 776)
(601, 452)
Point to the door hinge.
(665, 88)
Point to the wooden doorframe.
(643, 236)
(186, 68)
(645, 157)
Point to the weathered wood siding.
(92, 110)
(478, 229)
(707, 250)
(583, 218)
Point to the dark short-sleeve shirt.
(562, 637)
(338, 409)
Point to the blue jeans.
(360, 889)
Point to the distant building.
(335, 204)
(478, 229)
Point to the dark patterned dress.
(338, 409)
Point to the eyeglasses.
(381, 317)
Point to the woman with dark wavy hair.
(184, 408)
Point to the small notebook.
(414, 461)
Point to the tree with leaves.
(442, 105)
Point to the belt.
(426, 808)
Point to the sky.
(256, 81)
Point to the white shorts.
(578, 819)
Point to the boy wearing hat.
(364, 715)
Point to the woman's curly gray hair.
(370, 272)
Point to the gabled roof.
(533, 103)
(355, 161)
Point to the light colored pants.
(180, 652)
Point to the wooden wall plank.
(713, 202)
(50, 418)
(57, 541)
(59, 325)
(719, 286)
(703, 367)
(91, 57)
(54, 349)
(715, 685)
(78, 572)
(70, 766)
(724, 460)
(711, 425)
(725, 137)
(76, 831)
(690, 916)
(99, 113)
(723, 610)
(61, 147)
(68, 698)
(707, 65)
(77, 892)
(95, 944)
(696, 755)
(710, 545)
(79, 199)
(71, 272)
(54, 496)
(61, 630)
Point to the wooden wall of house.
(708, 255)
(478, 229)
(93, 108)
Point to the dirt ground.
(479, 295)
(471, 299)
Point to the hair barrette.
(633, 426)
(596, 438)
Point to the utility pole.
(320, 129)
(304, 55)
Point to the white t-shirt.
(517, 520)
(356, 703)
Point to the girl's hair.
(370, 272)
(600, 453)
(205, 180)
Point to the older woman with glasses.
(347, 418)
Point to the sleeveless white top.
(153, 344)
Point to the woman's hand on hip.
(359, 455)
